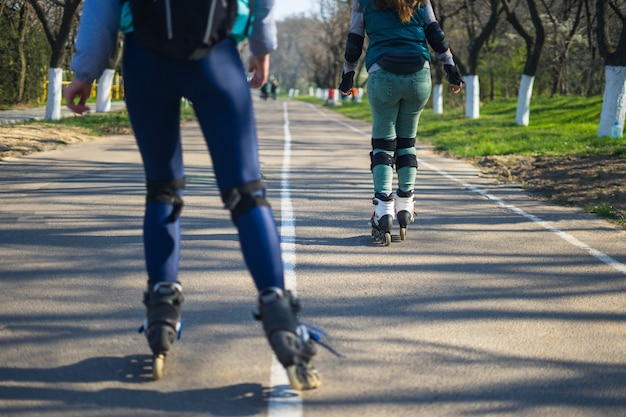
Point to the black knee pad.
(408, 160)
(243, 198)
(382, 158)
(404, 143)
(166, 192)
(384, 144)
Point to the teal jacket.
(391, 39)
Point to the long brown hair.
(404, 8)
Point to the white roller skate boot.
(382, 218)
(405, 210)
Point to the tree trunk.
(614, 100)
(22, 28)
(57, 38)
(438, 98)
(522, 116)
(103, 97)
(472, 101)
(55, 88)
(533, 53)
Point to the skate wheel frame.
(303, 377)
(381, 237)
(157, 366)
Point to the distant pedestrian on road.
(264, 91)
(216, 85)
(398, 87)
(274, 89)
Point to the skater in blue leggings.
(217, 87)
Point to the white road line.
(546, 225)
(283, 401)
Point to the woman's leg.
(154, 110)
(220, 94)
(416, 91)
(384, 99)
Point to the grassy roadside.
(563, 126)
(561, 129)
(112, 123)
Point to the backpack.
(182, 29)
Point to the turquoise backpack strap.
(243, 22)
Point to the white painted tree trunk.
(103, 95)
(438, 98)
(55, 91)
(614, 100)
(472, 100)
(522, 117)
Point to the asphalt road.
(495, 305)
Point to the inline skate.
(290, 340)
(382, 218)
(405, 210)
(162, 325)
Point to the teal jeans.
(397, 102)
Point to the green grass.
(560, 126)
(607, 211)
(99, 124)
(112, 123)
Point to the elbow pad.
(354, 47)
(436, 38)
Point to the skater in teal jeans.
(398, 87)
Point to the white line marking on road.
(283, 401)
(546, 225)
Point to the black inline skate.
(290, 340)
(405, 210)
(162, 325)
(382, 218)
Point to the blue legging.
(219, 92)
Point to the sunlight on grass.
(111, 123)
(606, 211)
(559, 126)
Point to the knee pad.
(408, 159)
(382, 158)
(166, 192)
(243, 198)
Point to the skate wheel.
(376, 236)
(402, 233)
(157, 366)
(303, 377)
(387, 239)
